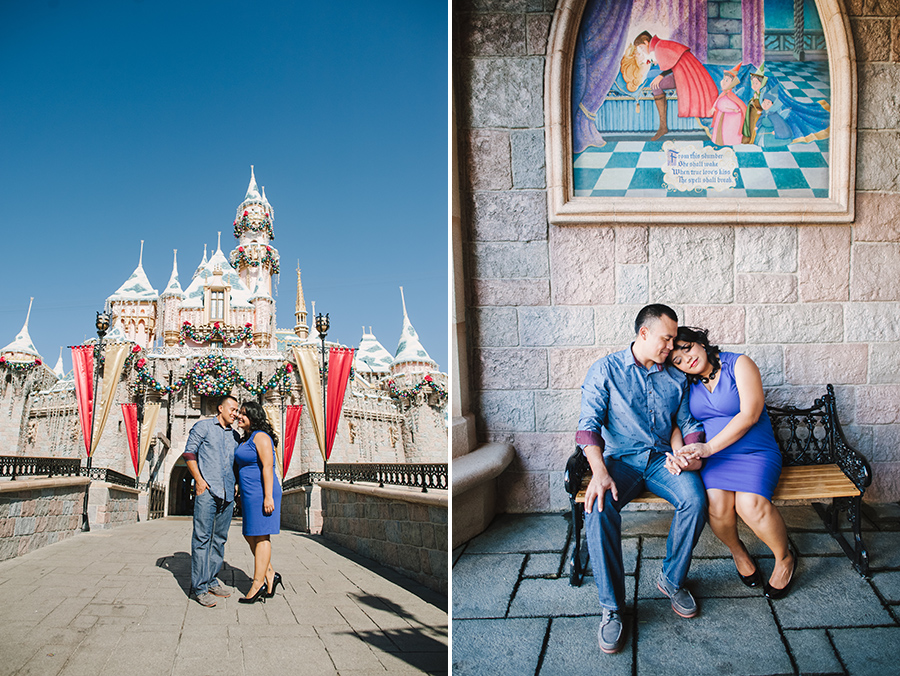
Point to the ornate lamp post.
(322, 327)
(102, 325)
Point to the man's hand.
(676, 464)
(597, 489)
(200, 486)
(656, 81)
(695, 451)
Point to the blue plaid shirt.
(212, 446)
(629, 411)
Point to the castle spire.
(410, 357)
(173, 288)
(252, 189)
(22, 349)
(59, 369)
(301, 328)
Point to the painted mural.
(700, 98)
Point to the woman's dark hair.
(691, 334)
(258, 420)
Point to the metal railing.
(422, 476)
(157, 505)
(108, 475)
(12, 466)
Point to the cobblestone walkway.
(115, 603)
(514, 611)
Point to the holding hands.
(687, 458)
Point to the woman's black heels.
(275, 582)
(754, 579)
(260, 595)
(773, 593)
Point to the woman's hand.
(677, 464)
(268, 506)
(695, 451)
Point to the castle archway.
(181, 490)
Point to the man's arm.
(594, 407)
(191, 449)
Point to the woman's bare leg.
(765, 520)
(262, 555)
(723, 521)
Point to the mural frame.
(564, 208)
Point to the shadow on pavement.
(179, 564)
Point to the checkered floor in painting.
(627, 168)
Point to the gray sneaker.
(206, 599)
(610, 632)
(219, 590)
(682, 602)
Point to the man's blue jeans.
(604, 529)
(212, 519)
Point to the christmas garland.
(214, 376)
(188, 332)
(19, 366)
(239, 259)
(428, 381)
(245, 224)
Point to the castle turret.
(301, 328)
(255, 259)
(134, 303)
(411, 357)
(169, 305)
(372, 359)
(22, 349)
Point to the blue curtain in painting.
(602, 38)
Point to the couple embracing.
(676, 416)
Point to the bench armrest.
(577, 467)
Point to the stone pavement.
(514, 611)
(115, 602)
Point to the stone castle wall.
(810, 304)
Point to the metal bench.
(817, 463)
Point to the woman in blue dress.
(260, 496)
(740, 463)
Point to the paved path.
(115, 603)
(515, 613)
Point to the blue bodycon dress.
(752, 464)
(249, 467)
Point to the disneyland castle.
(217, 334)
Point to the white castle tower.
(133, 305)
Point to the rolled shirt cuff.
(189, 456)
(695, 437)
(589, 438)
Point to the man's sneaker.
(206, 599)
(219, 590)
(610, 632)
(682, 602)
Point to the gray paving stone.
(888, 584)
(706, 644)
(573, 649)
(814, 544)
(828, 592)
(707, 578)
(497, 647)
(483, 584)
(540, 565)
(884, 549)
(554, 598)
(812, 651)
(868, 652)
(517, 533)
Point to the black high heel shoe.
(260, 595)
(754, 579)
(773, 593)
(276, 580)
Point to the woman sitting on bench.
(741, 462)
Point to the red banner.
(340, 360)
(291, 421)
(129, 412)
(83, 363)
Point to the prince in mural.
(675, 84)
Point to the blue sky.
(129, 120)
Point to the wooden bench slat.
(796, 483)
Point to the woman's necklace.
(711, 376)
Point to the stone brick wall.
(294, 509)
(404, 530)
(110, 505)
(811, 304)
(38, 512)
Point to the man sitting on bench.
(629, 402)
